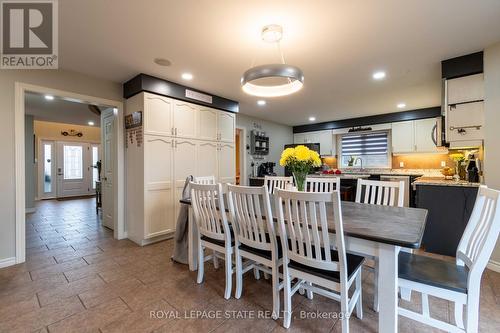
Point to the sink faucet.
(360, 162)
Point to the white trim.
(7, 262)
(243, 155)
(20, 89)
(494, 266)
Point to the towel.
(180, 254)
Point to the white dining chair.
(384, 193)
(458, 282)
(280, 182)
(204, 180)
(214, 231)
(322, 184)
(308, 255)
(255, 237)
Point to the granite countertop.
(441, 181)
(342, 175)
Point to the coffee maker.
(266, 169)
(473, 168)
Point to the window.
(371, 148)
(95, 159)
(73, 162)
(47, 168)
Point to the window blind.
(364, 144)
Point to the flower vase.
(300, 180)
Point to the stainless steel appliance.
(266, 169)
(473, 169)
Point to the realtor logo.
(29, 34)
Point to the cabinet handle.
(176, 131)
(172, 131)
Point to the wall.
(279, 136)
(492, 120)
(52, 131)
(30, 167)
(56, 79)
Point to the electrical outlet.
(401, 164)
(443, 164)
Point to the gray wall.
(29, 160)
(279, 135)
(56, 79)
(492, 121)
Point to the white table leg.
(388, 288)
(192, 242)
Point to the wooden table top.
(401, 226)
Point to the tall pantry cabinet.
(179, 139)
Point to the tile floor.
(77, 278)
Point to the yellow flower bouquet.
(300, 160)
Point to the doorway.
(240, 155)
(67, 166)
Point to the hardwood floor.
(77, 278)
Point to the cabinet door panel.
(299, 138)
(227, 163)
(207, 124)
(466, 89)
(326, 143)
(470, 114)
(225, 126)
(207, 159)
(403, 137)
(157, 115)
(185, 164)
(424, 134)
(185, 119)
(159, 209)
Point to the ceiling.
(338, 45)
(59, 110)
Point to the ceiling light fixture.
(91, 123)
(49, 97)
(261, 102)
(187, 76)
(291, 75)
(162, 62)
(401, 105)
(379, 75)
(312, 118)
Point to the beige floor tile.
(69, 289)
(101, 294)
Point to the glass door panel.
(73, 162)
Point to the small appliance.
(266, 169)
(473, 168)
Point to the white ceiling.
(59, 110)
(338, 44)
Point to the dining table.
(374, 231)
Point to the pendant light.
(292, 75)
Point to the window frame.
(340, 149)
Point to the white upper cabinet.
(185, 119)
(226, 126)
(403, 137)
(326, 140)
(158, 114)
(299, 138)
(465, 89)
(207, 123)
(227, 163)
(425, 134)
(465, 122)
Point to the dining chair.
(255, 237)
(308, 255)
(280, 182)
(384, 193)
(458, 282)
(204, 180)
(322, 184)
(214, 231)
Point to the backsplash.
(421, 161)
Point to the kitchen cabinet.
(415, 136)
(207, 152)
(226, 126)
(207, 124)
(403, 137)
(465, 89)
(425, 133)
(465, 122)
(184, 161)
(158, 118)
(326, 140)
(226, 163)
(185, 119)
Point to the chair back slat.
(209, 211)
(302, 219)
(248, 205)
(323, 184)
(481, 233)
(384, 193)
(205, 180)
(273, 182)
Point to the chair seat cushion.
(433, 272)
(218, 241)
(353, 263)
(263, 253)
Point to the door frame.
(19, 142)
(243, 155)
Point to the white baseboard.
(7, 262)
(494, 266)
(30, 210)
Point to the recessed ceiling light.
(312, 118)
(49, 97)
(261, 102)
(401, 105)
(187, 76)
(162, 61)
(378, 75)
(91, 123)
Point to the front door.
(108, 144)
(72, 170)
